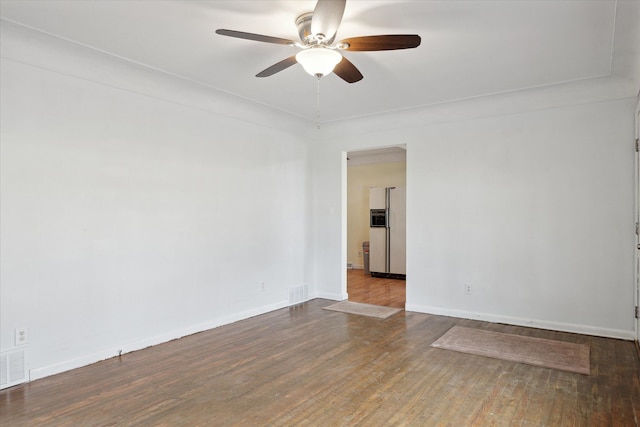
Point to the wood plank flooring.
(374, 290)
(312, 367)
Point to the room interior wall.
(136, 207)
(360, 178)
(132, 216)
(533, 210)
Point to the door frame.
(637, 217)
(344, 200)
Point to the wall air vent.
(13, 368)
(298, 295)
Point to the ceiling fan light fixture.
(318, 61)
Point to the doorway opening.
(372, 172)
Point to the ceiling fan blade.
(255, 37)
(347, 71)
(327, 17)
(277, 67)
(388, 42)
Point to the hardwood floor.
(308, 366)
(371, 290)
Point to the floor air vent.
(13, 370)
(298, 295)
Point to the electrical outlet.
(359, 254)
(21, 336)
(262, 287)
(467, 289)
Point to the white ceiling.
(469, 48)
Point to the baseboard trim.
(532, 323)
(331, 296)
(108, 353)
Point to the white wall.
(533, 210)
(329, 222)
(130, 215)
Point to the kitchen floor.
(373, 290)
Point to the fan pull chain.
(318, 104)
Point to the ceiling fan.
(319, 55)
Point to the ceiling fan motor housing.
(303, 23)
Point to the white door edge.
(637, 215)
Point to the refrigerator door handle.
(387, 230)
(387, 260)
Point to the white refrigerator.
(387, 232)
